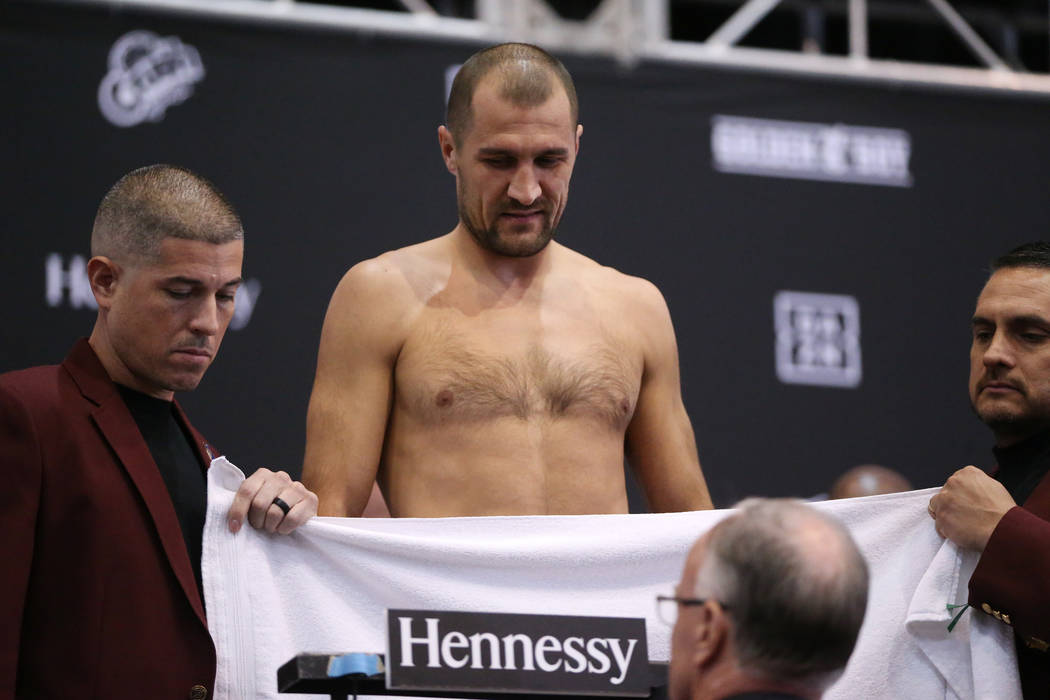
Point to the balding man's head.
(868, 480)
(527, 75)
(792, 586)
(156, 202)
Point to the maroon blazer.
(97, 594)
(1012, 584)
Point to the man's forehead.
(490, 108)
(1016, 291)
(178, 257)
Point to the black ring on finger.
(279, 502)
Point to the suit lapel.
(120, 431)
(205, 452)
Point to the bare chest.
(464, 369)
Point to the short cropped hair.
(525, 80)
(795, 588)
(156, 202)
(1034, 254)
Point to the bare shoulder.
(393, 275)
(633, 296)
(378, 299)
(395, 281)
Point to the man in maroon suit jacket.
(104, 490)
(1010, 392)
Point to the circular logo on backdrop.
(147, 74)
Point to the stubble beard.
(1007, 422)
(517, 245)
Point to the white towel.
(325, 588)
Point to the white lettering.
(508, 652)
(544, 645)
(431, 640)
(599, 656)
(74, 279)
(622, 660)
(475, 650)
(608, 657)
(454, 640)
(814, 151)
(574, 650)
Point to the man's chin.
(1009, 423)
(518, 244)
(184, 382)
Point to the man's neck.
(1006, 440)
(505, 271)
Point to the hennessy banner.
(499, 652)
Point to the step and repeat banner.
(820, 243)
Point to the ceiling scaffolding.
(631, 31)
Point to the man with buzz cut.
(103, 506)
(492, 370)
(1006, 516)
(769, 606)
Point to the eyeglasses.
(667, 606)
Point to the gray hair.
(794, 585)
(156, 202)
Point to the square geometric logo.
(817, 339)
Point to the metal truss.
(631, 31)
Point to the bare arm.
(353, 388)
(660, 443)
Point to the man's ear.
(579, 133)
(448, 148)
(710, 635)
(103, 275)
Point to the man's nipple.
(444, 398)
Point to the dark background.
(326, 142)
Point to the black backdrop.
(326, 142)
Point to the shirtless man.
(493, 371)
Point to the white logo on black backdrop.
(516, 652)
(247, 295)
(69, 285)
(811, 151)
(147, 74)
(818, 339)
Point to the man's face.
(512, 170)
(682, 673)
(166, 318)
(1010, 354)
